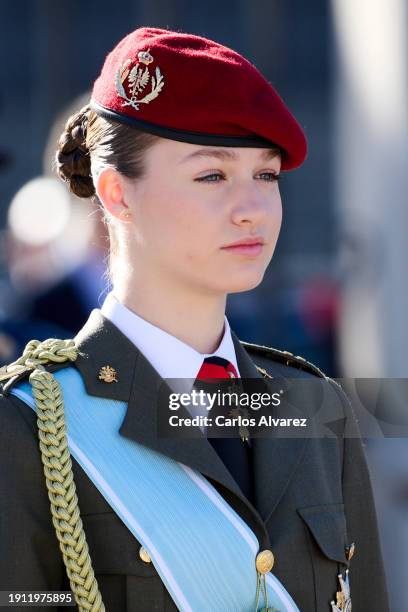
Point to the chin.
(244, 282)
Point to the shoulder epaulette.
(52, 354)
(284, 357)
(9, 379)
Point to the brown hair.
(88, 137)
(90, 140)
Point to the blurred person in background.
(183, 143)
(48, 291)
(54, 252)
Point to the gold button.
(264, 561)
(144, 555)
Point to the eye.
(210, 178)
(271, 176)
(214, 177)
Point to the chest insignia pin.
(343, 599)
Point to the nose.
(251, 204)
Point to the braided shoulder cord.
(57, 466)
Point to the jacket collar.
(100, 343)
(176, 359)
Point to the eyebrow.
(227, 155)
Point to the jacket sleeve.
(30, 557)
(368, 588)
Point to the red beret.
(192, 89)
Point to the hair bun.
(72, 158)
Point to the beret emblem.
(136, 80)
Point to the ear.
(110, 191)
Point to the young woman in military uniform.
(183, 143)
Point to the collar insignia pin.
(107, 374)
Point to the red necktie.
(216, 367)
(235, 454)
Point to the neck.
(196, 319)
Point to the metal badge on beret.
(136, 80)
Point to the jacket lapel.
(140, 424)
(100, 344)
(274, 458)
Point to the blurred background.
(336, 291)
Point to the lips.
(246, 246)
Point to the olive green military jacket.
(313, 497)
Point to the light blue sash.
(201, 548)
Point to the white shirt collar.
(169, 356)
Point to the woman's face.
(193, 203)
